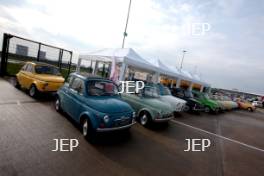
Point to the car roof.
(40, 63)
(88, 76)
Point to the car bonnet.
(108, 104)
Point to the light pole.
(125, 33)
(183, 53)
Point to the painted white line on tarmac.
(232, 140)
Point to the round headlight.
(134, 114)
(158, 115)
(106, 118)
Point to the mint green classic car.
(148, 106)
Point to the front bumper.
(163, 119)
(115, 128)
(198, 109)
(49, 86)
(179, 108)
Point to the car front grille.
(122, 122)
(180, 107)
(167, 115)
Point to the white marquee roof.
(130, 57)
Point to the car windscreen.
(46, 69)
(214, 97)
(188, 94)
(227, 98)
(101, 88)
(151, 92)
(206, 96)
(166, 91)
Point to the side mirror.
(119, 88)
(79, 91)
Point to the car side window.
(180, 94)
(24, 67)
(195, 95)
(29, 68)
(77, 85)
(68, 81)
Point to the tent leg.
(190, 87)
(122, 72)
(178, 83)
(202, 88)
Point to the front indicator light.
(158, 116)
(134, 115)
(106, 118)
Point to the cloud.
(227, 55)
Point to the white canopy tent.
(128, 57)
(163, 69)
(175, 73)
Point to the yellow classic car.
(39, 77)
(245, 105)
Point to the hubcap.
(32, 91)
(186, 108)
(85, 128)
(144, 119)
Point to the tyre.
(16, 84)
(217, 110)
(144, 119)
(250, 109)
(187, 108)
(58, 104)
(33, 91)
(87, 130)
(207, 109)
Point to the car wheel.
(87, 130)
(207, 109)
(217, 110)
(33, 91)
(144, 119)
(186, 108)
(16, 84)
(250, 109)
(58, 104)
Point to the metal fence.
(17, 50)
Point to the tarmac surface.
(28, 127)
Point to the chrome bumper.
(114, 128)
(163, 120)
(197, 109)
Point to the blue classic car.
(94, 103)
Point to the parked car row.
(259, 104)
(97, 106)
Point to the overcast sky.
(229, 55)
